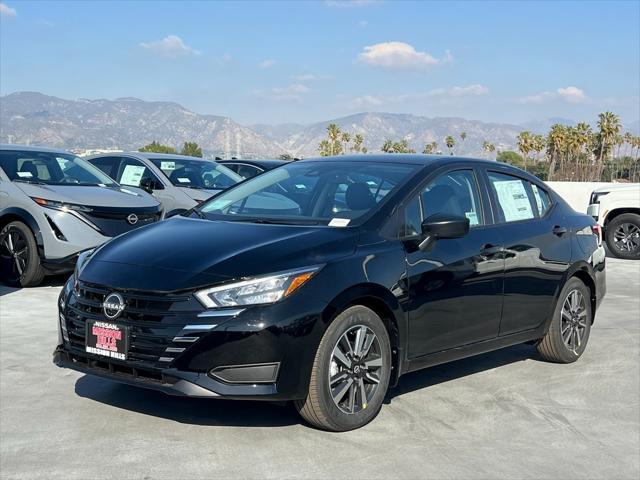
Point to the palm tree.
(463, 137)
(609, 126)
(358, 140)
(346, 138)
(488, 147)
(450, 142)
(387, 146)
(428, 149)
(334, 134)
(537, 145)
(555, 144)
(524, 145)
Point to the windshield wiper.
(34, 182)
(275, 221)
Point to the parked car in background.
(54, 205)
(177, 181)
(251, 168)
(616, 208)
(325, 295)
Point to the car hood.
(620, 187)
(198, 194)
(89, 196)
(186, 253)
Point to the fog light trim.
(252, 373)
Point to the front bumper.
(190, 352)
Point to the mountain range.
(129, 123)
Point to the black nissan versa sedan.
(324, 280)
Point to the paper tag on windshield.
(167, 165)
(25, 174)
(184, 180)
(339, 222)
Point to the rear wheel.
(623, 236)
(19, 259)
(570, 327)
(350, 373)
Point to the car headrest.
(29, 166)
(359, 197)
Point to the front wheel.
(623, 236)
(350, 374)
(570, 327)
(19, 259)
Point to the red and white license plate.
(107, 339)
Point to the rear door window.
(512, 197)
(543, 201)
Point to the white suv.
(616, 208)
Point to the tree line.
(570, 153)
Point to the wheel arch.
(18, 214)
(619, 211)
(582, 273)
(385, 305)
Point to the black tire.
(319, 408)
(23, 270)
(629, 249)
(553, 347)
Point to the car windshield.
(196, 173)
(315, 192)
(51, 169)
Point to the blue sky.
(278, 62)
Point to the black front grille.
(114, 221)
(151, 318)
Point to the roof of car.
(31, 148)
(259, 162)
(150, 155)
(410, 158)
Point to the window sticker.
(473, 218)
(513, 199)
(339, 222)
(167, 165)
(25, 174)
(132, 175)
(184, 180)
(63, 163)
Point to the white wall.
(576, 194)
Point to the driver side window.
(135, 174)
(453, 193)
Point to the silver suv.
(53, 205)
(177, 181)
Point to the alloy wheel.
(626, 238)
(16, 250)
(573, 325)
(355, 369)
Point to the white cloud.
(363, 24)
(294, 92)
(572, 94)
(268, 63)
(366, 101)
(467, 91)
(568, 94)
(170, 46)
(7, 11)
(400, 55)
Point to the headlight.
(65, 207)
(80, 264)
(267, 289)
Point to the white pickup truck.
(616, 208)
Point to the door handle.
(559, 231)
(489, 250)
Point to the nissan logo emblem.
(113, 306)
(132, 219)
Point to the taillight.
(597, 231)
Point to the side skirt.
(470, 350)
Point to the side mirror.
(443, 226)
(147, 184)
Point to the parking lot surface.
(505, 414)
